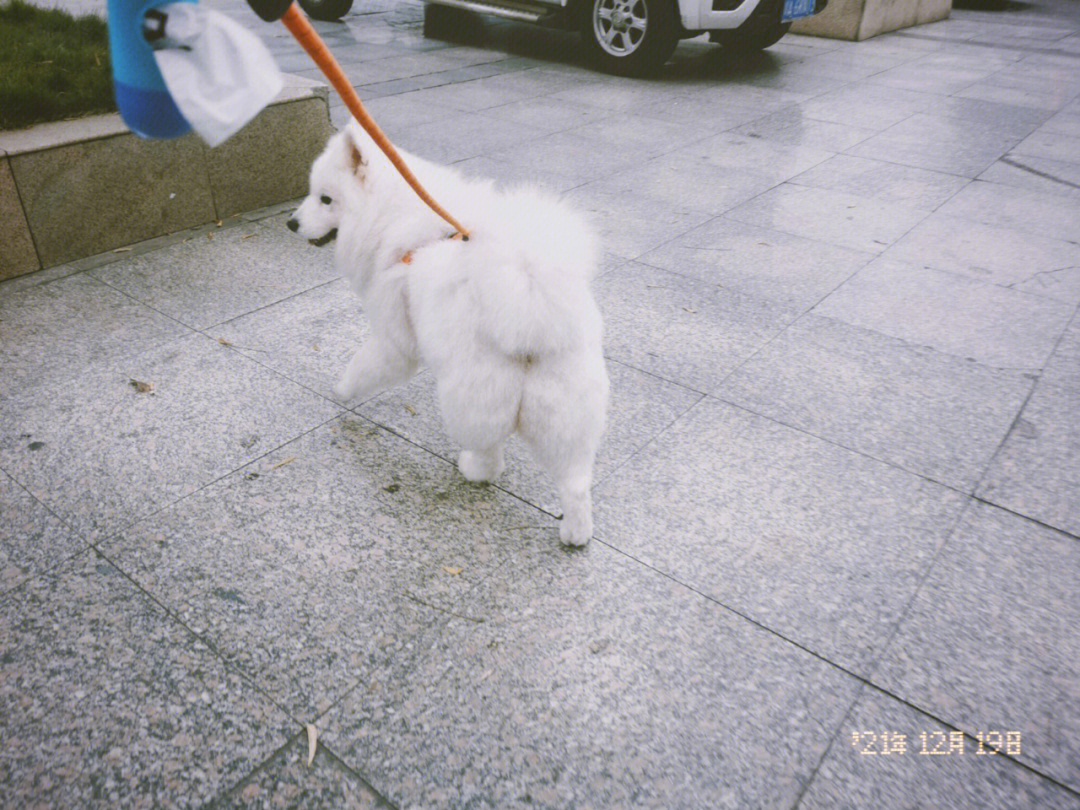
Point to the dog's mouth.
(330, 236)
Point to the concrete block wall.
(862, 19)
(76, 188)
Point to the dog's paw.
(478, 467)
(345, 389)
(576, 533)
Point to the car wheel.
(629, 37)
(752, 40)
(326, 10)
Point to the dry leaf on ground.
(141, 387)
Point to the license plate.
(794, 9)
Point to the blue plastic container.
(141, 96)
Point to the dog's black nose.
(292, 225)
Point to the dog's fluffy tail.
(538, 301)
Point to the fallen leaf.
(223, 342)
(121, 250)
(452, 570)
(141, 387)
(315, 347)
(691, 310)
(312, 740)
(283, 462)
(247, 236)
(766, 244)
(217, 222)
(410, 409)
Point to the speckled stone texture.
(107, 701)
(959, 777)
(932, 414)
(218, 276)
(32, 539)
(19, 255)
(317, 567)
(595, 682)
(682, 329)
(820, 544)
(100, 453)
(837, 491)
(287, 781)
(993, 639)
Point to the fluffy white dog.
(505, 320)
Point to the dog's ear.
(355, 158)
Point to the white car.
(632, 37)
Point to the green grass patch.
(52, 65)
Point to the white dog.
(506, 320)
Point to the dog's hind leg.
(563, 427)
(376, 366)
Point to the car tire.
(752, 40)
(629, 37)
(326, 10)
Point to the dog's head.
(337, 183)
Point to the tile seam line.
(85, 544)
(1023, 406)
(221, 799)
(865, 680)
(804, 789)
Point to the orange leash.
(311, 42)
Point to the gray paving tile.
(288, 781)
(623, 95)
(932, 414)
(938, 143)
(1009, 257)
(850, 778)
(212, 278)
(791, 125)
(888, 182)
(54, 331)
(463, 136)
(704, 112)
(641, 136)
(859, 223)
(923, 76)
(1063, 367)
(630, 224)
(866, 105)
(991, 643)
(818, 543)
(318, 567)
(512, 175)
(759, 261)
(1064, 123)
(563, 697)
(32, 539)
(308, 338)
(690, 182)
(108, 702)
(950, 313)
(1044, 97)
(1006, 119)
(100, 454)
(779, 161)
(546, 115)
(641, 407)
(1037, 470)
(568, 154)
(1008, 207)
(682, 329)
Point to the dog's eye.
(325, 200)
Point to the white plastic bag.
(219, 74)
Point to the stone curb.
(72, 189)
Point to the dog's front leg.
(376, 366)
